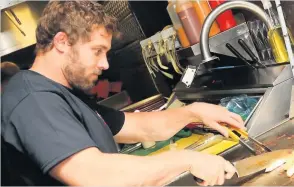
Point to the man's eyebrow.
(100, 46)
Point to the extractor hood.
(18, 25)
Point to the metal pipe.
(204, 41)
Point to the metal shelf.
(217, 43)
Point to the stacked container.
(203, 9)
(226, 19)
(171, 9)
(188, 17)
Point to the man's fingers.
(205, 183)
(230, 170)
(237, 118)
(221, 178)
(230, 121)
(214, 179)
(219, 128)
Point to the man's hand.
(212, 169)
(212, 115)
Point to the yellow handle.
(233, 135)
(242, 132)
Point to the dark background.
(137, 20)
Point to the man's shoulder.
(30, 81)
(27, 82)
(25, 89)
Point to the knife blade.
(257, 163)
(260, 162)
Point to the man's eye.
(98, 52)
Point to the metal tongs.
(241, 136)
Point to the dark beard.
(80, 92)
(85, 91)
(74, 73)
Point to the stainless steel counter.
(275, 105)
(273, 85)
(277, 138)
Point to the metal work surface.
(273, 109)
(275, 106)
(281, 137)
(285, 75)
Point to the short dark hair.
(8, 69)
(75, 18)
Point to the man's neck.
(48, 66)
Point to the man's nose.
(103, 64)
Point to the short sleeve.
(48, 129)
(114, 118)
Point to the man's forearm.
(100, 169)
(148, 171)
(157, 126)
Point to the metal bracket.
(189, 75)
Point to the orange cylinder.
(171, 9)
(183, 37)
(189, 20)
(203, 10)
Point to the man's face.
(87, 60)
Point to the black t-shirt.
(114, 118)
(44, 123)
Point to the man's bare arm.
(158, 126)
(153, 126)
(90, 167)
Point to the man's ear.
(60, 42)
